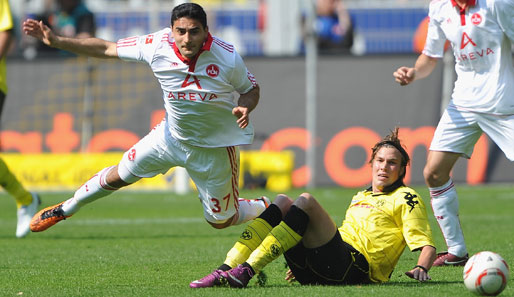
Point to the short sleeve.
(6, 22)
(415, 227)
(241, 79)
(138, 48)
(504, 11)
(434, 45)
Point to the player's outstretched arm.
(93, 47)
(425, 260)
(246, 103)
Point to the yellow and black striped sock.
(12, 186)
(253, 235)
(278, 241)
(283, 237)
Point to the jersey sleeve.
(241, 79)
(6, 22)
(137, 48)
(504, 11)
(415, 227)
(434, 45)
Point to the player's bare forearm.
(427, 256)
(425, 260)
(250, 99)
(422, 68)
(93, 47)
(246, 103)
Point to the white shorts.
(215, 171)
(458, 131)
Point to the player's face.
(189, 36)
(386, 168)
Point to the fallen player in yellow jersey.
(379, 223)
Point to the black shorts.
(335, 263)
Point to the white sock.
(249, 210)
(445, 205)
(96, 187)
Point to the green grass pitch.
(154, 244)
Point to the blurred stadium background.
(67, 117)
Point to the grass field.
(154, 244)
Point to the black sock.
(272, 215)
(248, 265)
(224, 267)
(297, 220)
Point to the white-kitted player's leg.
(455, 136)
(144, 159)
(141, 160)
(501, 131)
(96, 187)
(215, 172)
(445, 205)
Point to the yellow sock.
(12, 186)
(278, 241)
(249, 240)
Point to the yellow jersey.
(6, 23)
(380, 225)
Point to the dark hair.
(190, 11)
(392, 140)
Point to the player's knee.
(307, 197)
(283, 202)
(123, 176)
(434, 177)
(306, 202)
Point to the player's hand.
(39, 30)
(404, 75)
(242, 114)
(418, 274)
(289, 276)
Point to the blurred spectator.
(334, 26)
(69, 18)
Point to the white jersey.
(481, 37)
(199, 94)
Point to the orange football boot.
(47, 217)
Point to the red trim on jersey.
(129, 41)
(192, 62)
(468, 3)
(208, 43)
(251, 78)
(224, 45)
(463, 16)
(462, 10)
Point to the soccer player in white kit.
(481, 33)
(203, 126)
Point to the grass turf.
(154, 244)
